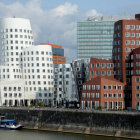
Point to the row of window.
(37, 53)
(37, 59)
(18, 42)
(109, 72)
(132, 42)
(103, 65)
(45, 94)
(90, 95)
(38, 89)
(127, 34)
(39, 83)
(16, 30)
(114, 87)
(12, 88)
(112, 95)
(38, 70)
(17, 36)
(38, 65)
(13, 95)
(37, 77)
(132, 27)
(91, 87)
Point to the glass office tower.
(95, 36)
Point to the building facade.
(58, 53)
(103, 92)
(80, 69)
(101, 67)
(64, 85)
(126, 39)
(26, 71)
(95, 37)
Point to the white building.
(26, 71)
(37, 70)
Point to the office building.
(95, 36)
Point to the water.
(45, 135)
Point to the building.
(58, 53)
(80, 69)
(15, 35)
(37, 72)
(26, 71)
(126, 39)
(103, 92)
(64, 85)
(95, 36)
(101, 67)
(135, 67)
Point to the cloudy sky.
(54, 21)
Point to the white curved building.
(15, 35)
(26, 71)
(37, 69)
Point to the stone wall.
(122, 124)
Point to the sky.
(55, 21)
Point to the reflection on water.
(45, 135)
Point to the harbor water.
(45, 135)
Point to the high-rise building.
(95, 37)
(58, 53)
(126, 39)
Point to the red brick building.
(126, 39)
(101, 67)
(104, 92)
(136, 79)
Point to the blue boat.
(10, 124)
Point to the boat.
(10, 124)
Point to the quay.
(92, 122)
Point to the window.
(92, 65)
(110, 95)
(92, 95)
(103, 72)
(105, 95)
(132, 42)
(92, 72)
(119, 87)
(105, 87)
(132, 34)
(93, 87)
(110, 87)
(97, 95)
(127, 34)
(132, 27)
(97, 65)
(97, 87)
(114, 87)
(103, 65)
(127, 27)
(127, 42)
